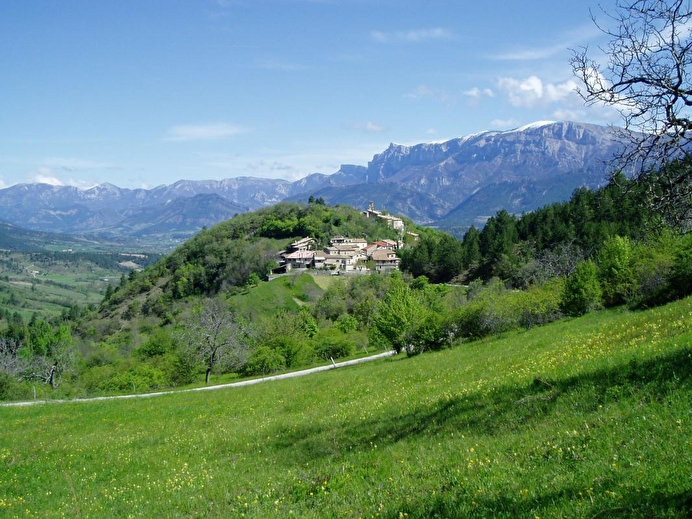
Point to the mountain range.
(451, 185)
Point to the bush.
(264, 360)
(159, 343)
(582, 292)
(652, 270)
(346, 323)
(540, 305)
(6, 383)
(492, 309)
(681, 275)
(333, 343)
(616, 271)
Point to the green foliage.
(333, 344)
(616, 272)
(264, 360)
(492, 309)
(437, 256)
(582, 291)
(406, 319)
(498, 236)
(282, 341)
(159, 343)
(308, 324)
(397, 316)
(332, 304)
(681, 275)
(346, 323)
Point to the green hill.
(588, 417)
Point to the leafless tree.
(10, 362)
(647, 79)
(215, 336)
(50, 369)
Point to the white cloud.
(206, 132)
(426, 92)
(531, 92)
(502, 124)
(414, 36)
(44, 176)
(566, 41)
(367, 126)
(532, 54)
(566, 114)
(478, 93)
(282, 66)
(475, 94)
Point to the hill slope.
(583, 418)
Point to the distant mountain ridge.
(450, 184)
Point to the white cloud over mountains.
(532, 91)
(414, 35)
(367, 126)
(204, 132)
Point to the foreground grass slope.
(586, 418)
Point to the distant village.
(346, 254)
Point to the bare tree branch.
(647, 79)
(216, 337)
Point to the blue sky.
(146, 92)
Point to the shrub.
(616, 270)
(159, 343)
(264, 360)
(582, 292)
(346, 323)
(539, 305)
(333, 343)
(681, 270)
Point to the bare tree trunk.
(51, 375)
(206, 378)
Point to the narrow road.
(250, 382)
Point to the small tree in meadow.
(215, 337)
(582, 292)
(616, 271)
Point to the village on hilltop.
(346, 254)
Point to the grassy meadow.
(590, 417)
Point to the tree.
(216, 337)
(287, 334)
(472, 247)
(582, 292)
(647, 79)
(10, 363)
(402, 320)
(44, 353)
(616, 270)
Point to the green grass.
(287, 292)
(589, 418)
